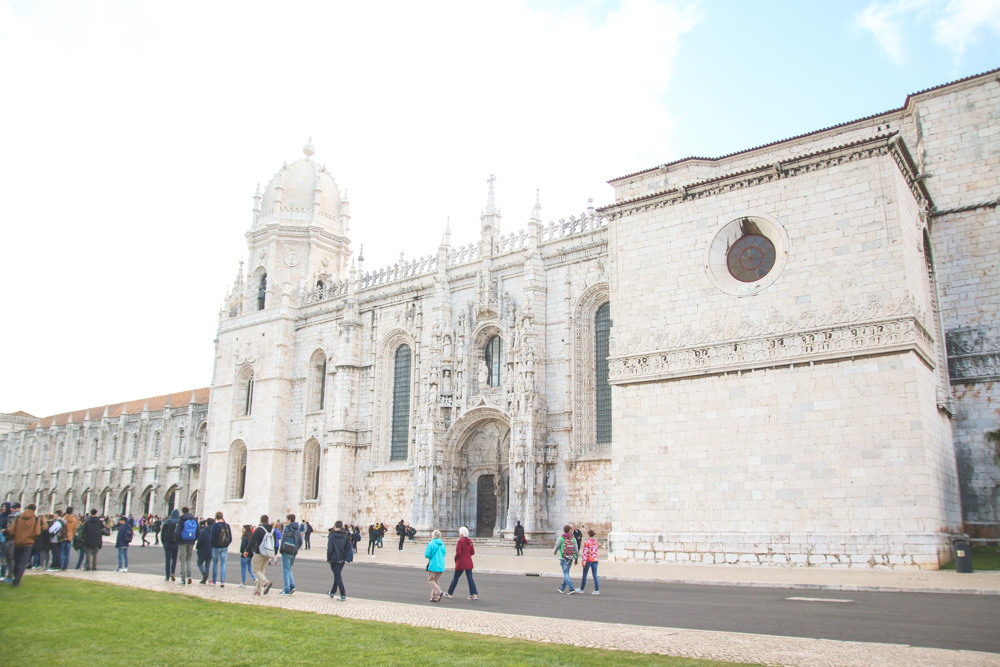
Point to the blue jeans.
(592, 566)
(122, 557)
(219, 555)
(287, 560)
(468, 576)
(338, 580)
(245, 569)
(79, 561)
(65, 548)
(56, 563)
(170, 558)
(567, 582)
(203, 565)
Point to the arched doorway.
(171, 499)
(480, 478)
(147, 501)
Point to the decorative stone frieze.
(974, 354)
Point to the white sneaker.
(117, 570)
(596, 593)
(125, 569)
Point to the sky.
(133, 136)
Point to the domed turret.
(302, 193)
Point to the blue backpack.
(189, 530)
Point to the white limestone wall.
(837, 464)
(976, 412)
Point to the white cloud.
(964, 22)
(957, 24)
(134, 135)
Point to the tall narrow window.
(310, 470)
(494, 360)
(261, 292)
(156, 445)
(180, 443)
(322, 385)
(248, 404)
(237, 470)
(135, 445)
(602, 333)
(114, 447)
(398, 448)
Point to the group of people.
(44, 542)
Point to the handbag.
(287, 548)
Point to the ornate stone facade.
(800, 367)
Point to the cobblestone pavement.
(730, 646)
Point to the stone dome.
(301, 193)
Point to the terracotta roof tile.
(156, 403)
(180, 399)
(177, 400)
(22, 413)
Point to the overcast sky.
(133, 135)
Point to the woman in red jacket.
(464, 552)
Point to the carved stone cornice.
(841, 334)
(864, 149)
(974, 354)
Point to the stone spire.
(490, 222)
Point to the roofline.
(906, 104)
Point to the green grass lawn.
(62, 621)
(983, 558)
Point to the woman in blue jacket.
(434, 553)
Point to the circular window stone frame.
(726, 233)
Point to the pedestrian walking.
(434, 553)
(169, 530)
(122, 540)
(22, 529)
(380, 533)
(339, 551)
(261, 548)
(57, 535)
(372, 540)
(291, 542)
(186, 534)
(464, 551)
(222, 537)
(144, 532)
(157, 526)
(245, 557)
(203, 547)
(578, 538)
(6, 562)
(307, 531)
(518, 539)
(565, 550)
(588, 555)
(356, 536)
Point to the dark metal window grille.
(249, 403)
(602, 330)
(261, 292)
(494, 360)
(400, 405)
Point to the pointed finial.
(361, 253)
(308, 148)
(446, 237)
(491, 206)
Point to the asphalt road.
(933, 620)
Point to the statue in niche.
(501, 487)
(447, 347)
(539, 476)
(484, 378)
(519, 478)
(550, 479)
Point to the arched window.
(399, 440)
(310, 471)
(602, 409)
(319, 284)
(317, 391)
(135, 445)
(156, 445)
(237, 470)
(246, 394)
(261, 292)
(494, 360)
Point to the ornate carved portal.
(480, 476)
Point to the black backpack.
(225, 535)
(169, 532)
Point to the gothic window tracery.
(602, 334)
(156, 445)
(494, 361)
(592, 391)
(245, 387)
(400, 433)
(317, 392)
(135, 445)
(180, 443)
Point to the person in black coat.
(339, 550)
(203, 545)
(93, 539)
(519, 539)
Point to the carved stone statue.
(484, 378)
